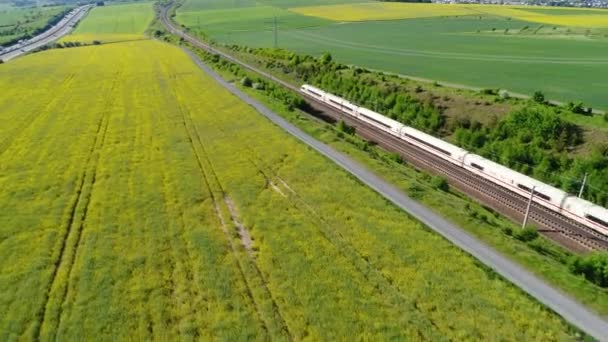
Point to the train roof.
(453, 149)
(381, 118)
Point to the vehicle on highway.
(580, 210)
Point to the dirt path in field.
(242, 231)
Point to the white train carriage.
(313, 91)
(598, 216)
(378, 120)
(587, 213)
(544, 194)
(438, 147)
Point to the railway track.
(557, 227)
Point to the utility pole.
(523, 226)
(580, 193)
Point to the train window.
(523, 187)
(543, 196)
(478, 167)
(597, 220)
(429, 145)
(314, 92)
(536, 193)
(376, 121)
(335, 102)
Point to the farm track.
(559, 228)
(221, 205)
(71, 240)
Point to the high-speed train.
(585, 212)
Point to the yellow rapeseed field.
(129, 181)
(381, 11)
(393, 11)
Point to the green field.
(489, 50)
(114, 23)
(158, 206)
(18, 23)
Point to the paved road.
(60, 29)
(572, 311)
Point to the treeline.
(358, 85)
(534, 140)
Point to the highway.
(574, 312)
(60, 29)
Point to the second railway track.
(557, 227)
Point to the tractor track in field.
(183, 265)
(75, 222)
(218, 195)
(345, 248)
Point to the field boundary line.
(562, 304)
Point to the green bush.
(527, 234)
(246, 82)
(440, 183)
(538, 97)
(594, 267)
(343, 127)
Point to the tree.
(246, 82)
(326, 58)
(538, 97)
(440, 183)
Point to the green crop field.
(17, 23)
(142, 201)
(561, 52)
(114, 23)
